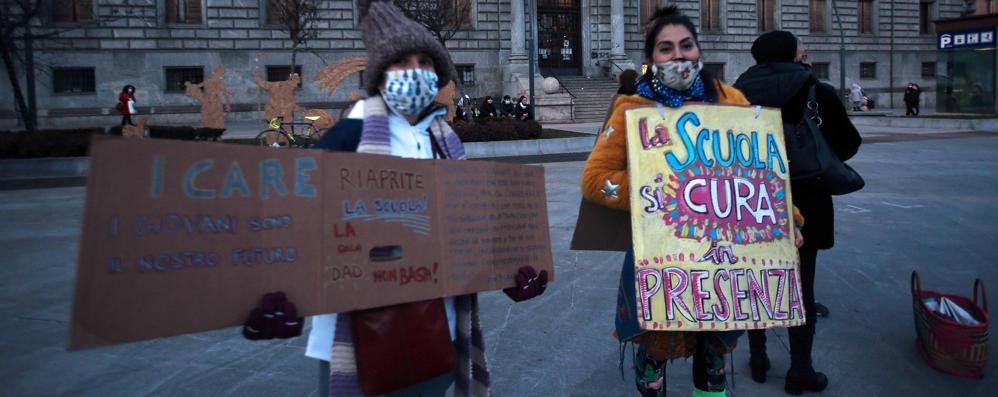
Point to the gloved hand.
(528, 284)
(276, 317)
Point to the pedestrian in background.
(912, 97)
(523, 111)
(506, 107)
(489, 108)
(856, 97)
(779, 79)
(628, 80)
(126, 104)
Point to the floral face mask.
(678, 74)
(409, 91)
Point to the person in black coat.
(523, 110)
(506, 107)
(912, 96)
(779, 80)
(488, 110)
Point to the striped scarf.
(472, 369)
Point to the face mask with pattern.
(409, 91)
(677, 74)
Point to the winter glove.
(528, 284)
(276, 317)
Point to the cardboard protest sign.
(711, 217)
(183, 237)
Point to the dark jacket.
(786, 85)
(489, 110)
(506, 109)
(912, 95)
(523, 113)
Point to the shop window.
(928, 70)
(73, 11)
(715, 69)
(73, 80)
(820, 70)
(177, 75)
(865, 15)
(765, 15)
(868, 70)
(710, 15)
(184, 11)
(467, 74)
(819, 16)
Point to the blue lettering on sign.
(304, 165)
(270, 178)
(707, 148)
(235, 180)
(190, 189)
(156, 188)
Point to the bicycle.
(276, 135)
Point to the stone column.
(518, 52)
(617, 54)
(617, 29)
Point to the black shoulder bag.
(812, 159)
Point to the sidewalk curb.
(924, 122)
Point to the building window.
(928, 70)
(456, 11)
(715, 69)
(819, 16)
(868, 70)
(925, 8)
(73, 11)
(710, 15)
(466, 73)
(281, 73)
(864, 16)
(73, 80)
(177, 75)
(183, 11)
(766, 15)
(820, 70)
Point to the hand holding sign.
(528, 284)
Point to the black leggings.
(126, 118)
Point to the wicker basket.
(946, 345)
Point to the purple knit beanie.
(389, 35)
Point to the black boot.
(758, 360)
(800, 380)
(802, 377)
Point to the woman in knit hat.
(675, 77)
(406, 68)
(780, 79)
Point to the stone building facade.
(156, 44)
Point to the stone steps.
(592, 96)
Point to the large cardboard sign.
(711, 219)
(184, 237)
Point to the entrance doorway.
(559, 37)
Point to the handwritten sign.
(711, 219)
(185, 237)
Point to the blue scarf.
(653, 89)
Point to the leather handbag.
(402, 345)
(812, 159)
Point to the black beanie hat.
(388, 35)
(773, 47)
